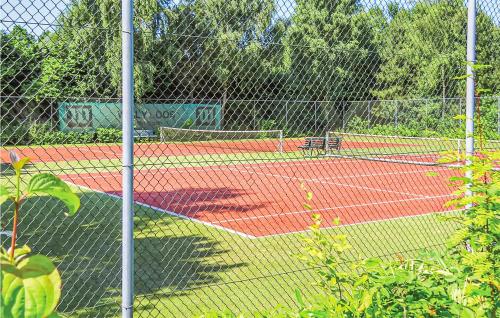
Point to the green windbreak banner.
(85, 116)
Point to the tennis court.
(369, 178)
(58, 153)
(264, 199)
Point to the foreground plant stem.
(17, 204)
(14, 231)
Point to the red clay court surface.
(103, 152)
(257, 200)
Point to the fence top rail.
(215, 100)
(329, 133)
(222, 131)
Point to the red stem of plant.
(14, 231)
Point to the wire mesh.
(238, 102)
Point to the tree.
(20, 66)
(424, 48)
(219, 48)
(83, 56)
(331, 49)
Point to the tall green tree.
(83, 55)
(233, 49)
(424, 47)
(220, 49)
(20, 58)
(331, 49)
(19, 67)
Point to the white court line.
(305, 164)
(245, 235)
(229, 168)
(249, 218)
(320, 180)
(333, 183)
(102, 174)
(116, 154)
(396, 218)
(248, 236)
(209, 168)
(213, 225)
(383, 174)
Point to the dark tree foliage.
(230, 50)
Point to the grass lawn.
(183, 267)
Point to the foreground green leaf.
(49, 184)
(31, 288)
(5, 194)
(18, 165)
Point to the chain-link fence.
(237, 103)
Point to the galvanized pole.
(369, 114)
(286, 115)
(470, 89)
(396, 115)
(128, 159)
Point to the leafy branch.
(31, 284)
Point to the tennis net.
(402, 149)
(243, 140)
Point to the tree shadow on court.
(172, 256)
(193, 202)
(6, 168)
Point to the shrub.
(79, 138)
(39, 132)
(358, 125)
(462, 282)
(268, 124)
(108, 135)
(43, 134)
(14, 134)
(188, 123)
(60, 137)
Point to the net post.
(127, 159)
(280, 145)
(470, 90)
(327, 146)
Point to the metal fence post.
(286, 115)
(426, 119)
(470, 89)
(128, 159)
(369, 114)
(396, 115)
(315, 116)
(254, 117)
(343, 110)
